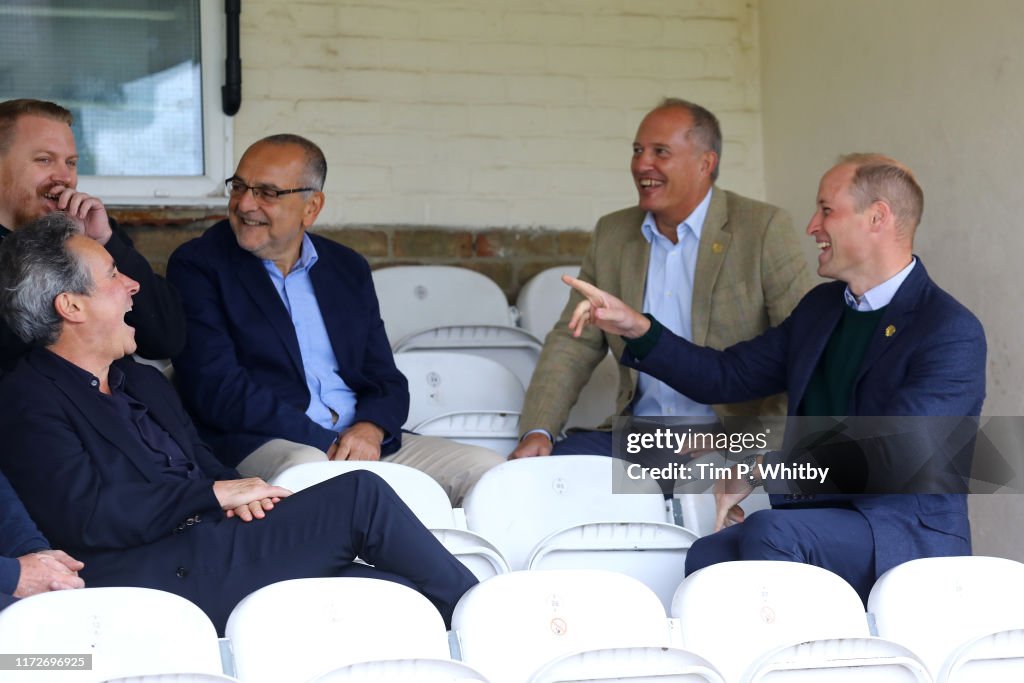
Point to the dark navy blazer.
(932, 364)
(85, 486)
(241, 373)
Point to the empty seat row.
(941, 619)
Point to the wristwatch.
(753, 476)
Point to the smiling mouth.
(824, 245)
(648, 183)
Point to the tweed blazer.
(750, 274)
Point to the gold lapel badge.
(890, 330)
(716, 247)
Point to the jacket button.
(181, 573)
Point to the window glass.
(129, 70)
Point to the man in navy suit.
(286, 359)
(107, 462)
(27, 564)
(883, 340)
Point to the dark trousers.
(7, 600)
(584, 442)
(837, 539)
(313, 533)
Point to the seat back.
(934, 605)
(117, 627)
(492, 429)
(653, 553)
(508, 626)
(516, 349)
(995, 656)
(414, 298)
(443, 382)
(418, 490)
(632, 664)
(294, 630)
(840, 660)
(768, 605)
(401, 670)
(542, 299)
(518, 503)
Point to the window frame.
(218, 137)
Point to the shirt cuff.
(538, 431)
(644, 344)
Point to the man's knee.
(277, 455)
(770, 535)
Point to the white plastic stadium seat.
(652, 552)
(542, 298)
(995, 656)
(294, 630)
(516, 349)
(511, 625)
(414, 298)
(839, 660)
(936, 605)
(401, 670)
(425, 498)
(735, 612)
(520, 502)
(418, 490)
(128, 632)
(633, 664)
(492, 429)
(442, 382)
(540, 303)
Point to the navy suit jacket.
(933, 364)
(83, 483)
(241, 373)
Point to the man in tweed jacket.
(723, 267)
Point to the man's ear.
(708, 163)
(68, 307)
(312, 209)
(880, 214)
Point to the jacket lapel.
(85, 401)
(896, 320)
(714, 243)
(636, 254)
(811, 350)
(256, 282)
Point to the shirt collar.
(879, 296)
(695, 222)
(115, 377)
(307, 257)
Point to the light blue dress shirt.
(668, 296)
(879, 296)
(327, 390)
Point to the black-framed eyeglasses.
(236, 188)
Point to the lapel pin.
(890, 330)
(716, 247)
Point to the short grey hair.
(316, 163)
(36, 267)
(705, 131)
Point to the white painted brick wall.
(480, 113)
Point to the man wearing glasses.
(39, 176)
(286, 359)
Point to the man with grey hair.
(39, 176)
(718, 268)
(286, 360)
(109, 465)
